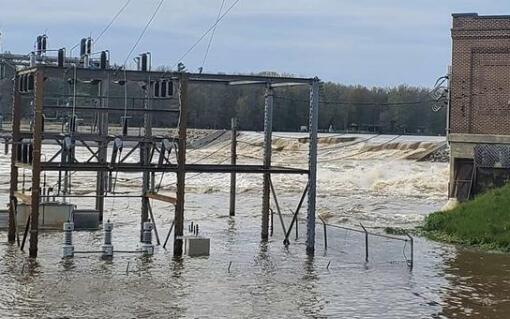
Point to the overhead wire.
(212, 37)
(108, 26)
(151, 19)
(206, 33)
(340, 102)
(112, 21)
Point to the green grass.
(483, 222)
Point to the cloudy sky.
(370, 42)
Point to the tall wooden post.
(181, 164)
(36, 162)
(268, 131)
(144, 160)
(233, 161)
(16, 110)
(312, 167)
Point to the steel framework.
(98, 142)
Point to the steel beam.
(52, 71)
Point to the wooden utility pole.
(36, 163)
(181, 164)
(16, 110)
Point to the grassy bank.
(483, 222)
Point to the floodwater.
(367, 180)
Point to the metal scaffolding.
(30, 84)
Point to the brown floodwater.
(244, 278)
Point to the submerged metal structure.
(171, 90)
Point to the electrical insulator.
(144, 62)
(61, 58)
(83, 47)
(104, 60)
(89, 46)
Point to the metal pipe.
(168, 235)
(325, 233)
(366, 242)
(233, 161)
(411, 262)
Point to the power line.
(143, 32)
(108, 25)
(212, 37)
(340, 102)
(206, 33)
(112, 21)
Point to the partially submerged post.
(36, 162)
(233, 161)
(16, 113)
(181, 164)
(268, 132)
(312, 166)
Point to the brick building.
(479, 112)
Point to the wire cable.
(340, 102)
(206, 33)
(112, 21)
(143, 32)
(212, 37)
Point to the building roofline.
(475, 15)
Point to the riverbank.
(483, 222)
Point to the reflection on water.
(479, 285)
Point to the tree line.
(354, 108)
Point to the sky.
(368, 42)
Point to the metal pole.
(233, 161)
(11, 237)
(102, 149)
(268, 130)
(312, 167)
(181, 164)
(277, 206)
(168, 235)
(36, 162)
(411, 262)
(366, 242)
(325, 234)
(294, 218)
